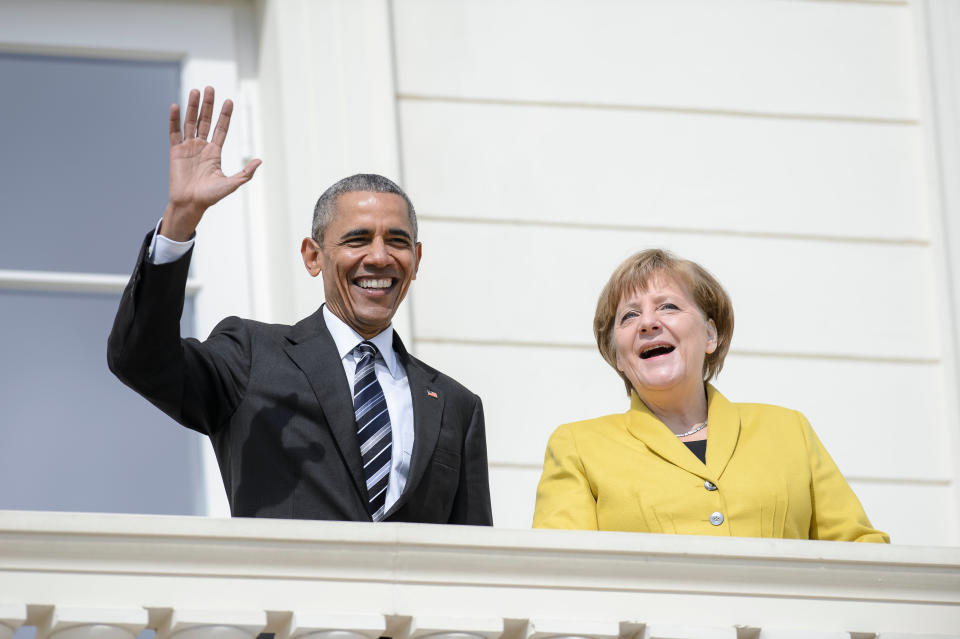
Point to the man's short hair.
(325, 209)
(635, 273)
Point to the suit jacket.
(767, 475)
(277, 406)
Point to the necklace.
(695, 429)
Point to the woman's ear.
(711, 336)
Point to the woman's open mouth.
(656, 350)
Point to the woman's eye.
(628, 316)
(668, 306)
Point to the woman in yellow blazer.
(684, 459)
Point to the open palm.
(196, 178)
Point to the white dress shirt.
(390, 372)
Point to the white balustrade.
(79, 576)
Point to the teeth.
(384, 283)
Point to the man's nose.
(377, 255)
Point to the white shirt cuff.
(163, 250)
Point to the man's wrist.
(164, 250)
(177, 223)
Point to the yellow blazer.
(772, 477)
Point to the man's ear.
(310, 251)
(711, 336)
(418, 253)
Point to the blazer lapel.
(645, 426)
(315, 353)
(427, 416)
(723, 432)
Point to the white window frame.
(202, 39)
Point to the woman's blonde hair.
(635, 273)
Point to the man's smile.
(374, 283)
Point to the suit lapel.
(315, 353)
(427, 416)
(724, 431)
(645, 426)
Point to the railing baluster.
(424, 627)
(93, 631)
(211, 624)
(336, 626)
(66, 622)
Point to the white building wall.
(780, 144)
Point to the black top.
(698, 448)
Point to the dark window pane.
(83, 164)
(73, 437)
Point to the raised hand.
(197, 181)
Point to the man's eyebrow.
(361, 233)
(352, 233)
(402, 232)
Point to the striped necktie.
(373, 429)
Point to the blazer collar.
(428, 401)
(346, 339)
(723, 421)
(313, 350)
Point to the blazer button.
(709, 485)
(716, 519)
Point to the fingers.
(223, 123)
(206, 114)
(175, 136)
(190, 120)
(198, 117)
(239, 178)
(243, 176)
(247, 172)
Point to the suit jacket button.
(716, 519)
(709, 485)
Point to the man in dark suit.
(330, 418)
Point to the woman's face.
(662, 338)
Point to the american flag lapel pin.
(432, 394)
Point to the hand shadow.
(274, 454)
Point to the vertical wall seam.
(401, 173)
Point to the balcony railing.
(111, 576)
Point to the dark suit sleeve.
(472, 503)
(197, 384)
